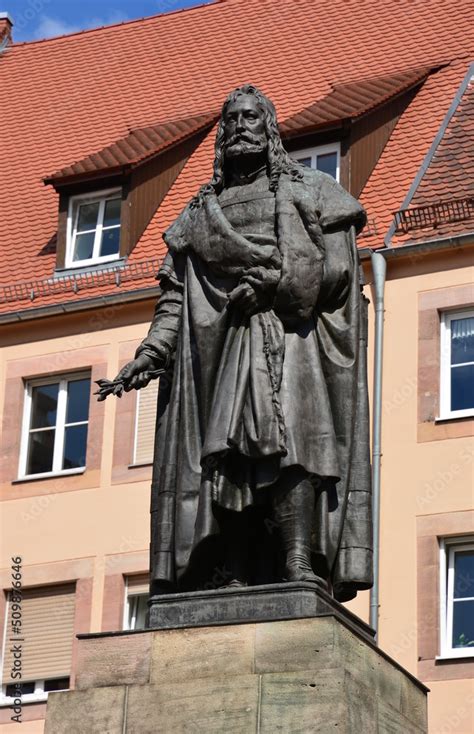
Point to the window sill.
(452, 656)
(89, 267)
(140, 464)
(451, 418)
(25, 700)
(49, 475)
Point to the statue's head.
(248, 126)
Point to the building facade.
(106, 136)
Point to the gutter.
(76, 306)
(379, 269)
(420, 248)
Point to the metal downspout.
(379, 269)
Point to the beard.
(245, 144)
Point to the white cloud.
(49, 26)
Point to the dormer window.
(93, 228)
(325, 158)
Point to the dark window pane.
(58, 684)
(463, 574)
(110, 241)
(77, 400)
(463, 624)
(19, 689)
(44, 402)
(462, 340)
(40, 451)
(84, 246)
(75, 442)
(142, 609)
(305, 162)
(462, 387)
(112, 212)
(87, 216)
(327, 163)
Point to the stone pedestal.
(308, 674)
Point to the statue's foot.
(235, 583)
(303, 572)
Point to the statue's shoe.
(235, 583)
(296, 572)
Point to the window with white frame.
(325, 158)
(457, 364)
(93, 228)
(55, 423)
(136, 598)
(45, 617)
(457, 597)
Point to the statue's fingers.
(130, 384)
(142, 380)
(237, 293)
(249, 303)
(125, 374)
(247, 291)
(253, 281)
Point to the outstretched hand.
(135, 375)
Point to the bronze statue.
(261, 468)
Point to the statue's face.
(244, 127)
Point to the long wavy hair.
(278, 159)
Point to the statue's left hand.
(255, 291)
(245, 298)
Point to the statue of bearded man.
(261, 469)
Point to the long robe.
(249, 396)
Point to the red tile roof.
(349, 101)
(137, 147)
(67, 97)
(445, 194)
(407, 147)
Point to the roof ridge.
(143, 19)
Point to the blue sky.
(35, 19)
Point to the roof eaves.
(431, 152)
(78, 305)
(208, 123)
(59, 179)
(83, 177)
(295, 126)
(417, 81)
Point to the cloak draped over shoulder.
(248, 396)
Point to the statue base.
(235, 605)
(315, 668)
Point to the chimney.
(6, 25)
